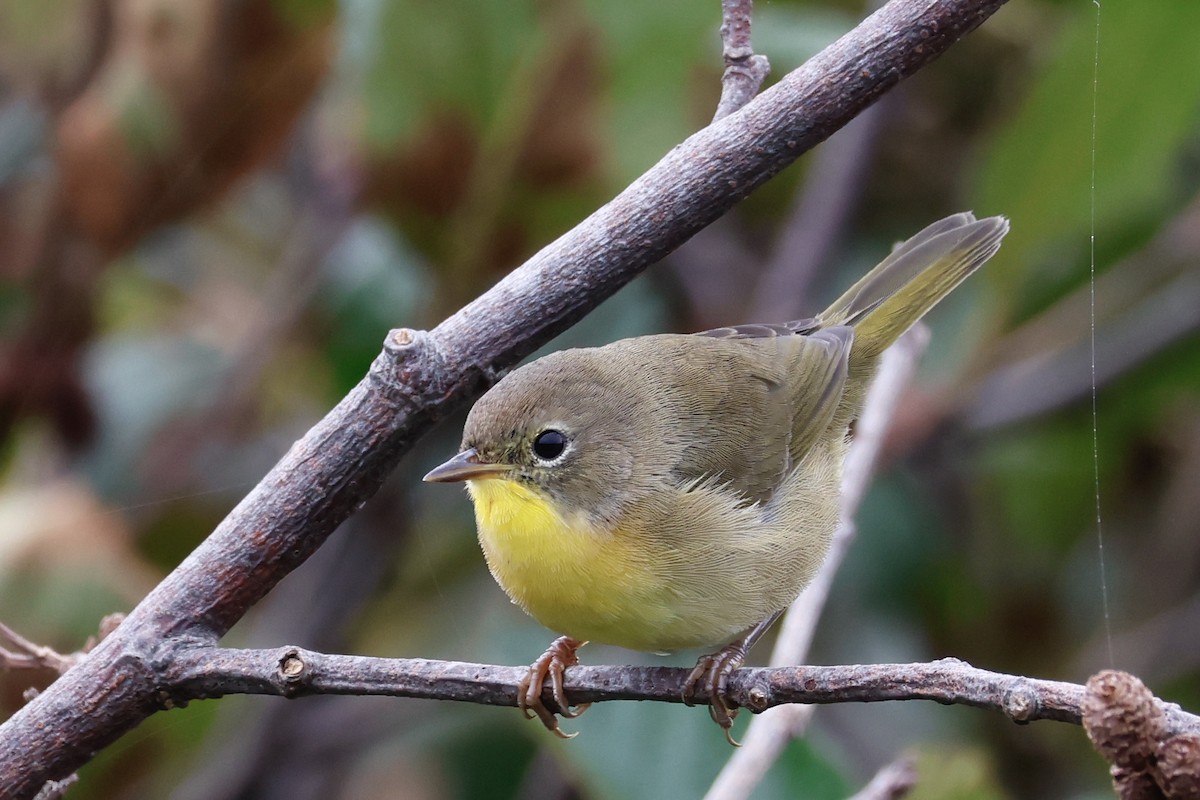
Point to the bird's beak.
(466, 466)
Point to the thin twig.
(892, 782)
(770, 733)
(26, 654)
(744, 71)
(420, 378)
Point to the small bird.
(677, 491)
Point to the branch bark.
(207, 672)
(420, 378)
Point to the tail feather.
(920, 272)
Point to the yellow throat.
(571, 576)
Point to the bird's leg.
(552, 663)
(712, 672)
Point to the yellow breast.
(573, 577)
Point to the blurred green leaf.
(1038, 171)
(789, 35)
(488, 763)
(639, 750)
(172, 375)
(149, 761)
(375, 282)
(955, 773)
(651, 51)
(430, 56)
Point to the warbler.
(678, 491)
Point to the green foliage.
(373, 280)
(435, 56)
(955, 773)
(1038, 167)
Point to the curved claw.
(712, 672)
(551, 664)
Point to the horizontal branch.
(206, 672)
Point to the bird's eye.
(549, 445)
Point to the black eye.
(549, 445)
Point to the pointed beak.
(466, 466)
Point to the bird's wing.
(816, 381)
(763, 330)
(781, 391)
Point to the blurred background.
(211, 212)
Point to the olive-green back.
(738, 410)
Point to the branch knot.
(409, 358)
(1020, 702)
(294, 673)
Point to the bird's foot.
(712, 673)
(552, 663)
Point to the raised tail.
(913, 279)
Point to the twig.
(770, 733)
(30, 655)
(208, 671)
(420, 378)
(1061, 374)
(892, 782)
(744, 71)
